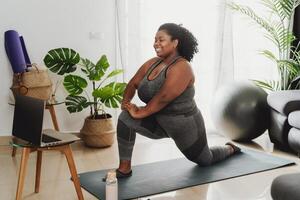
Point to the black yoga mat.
(170, 175)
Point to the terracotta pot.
(98, 132)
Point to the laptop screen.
(28, 119)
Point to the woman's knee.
(199, 153)
(199, 161)
(203, 163)
(124, 115)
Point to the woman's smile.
(158, 50)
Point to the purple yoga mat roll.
(14, 51)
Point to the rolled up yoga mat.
(14, 51)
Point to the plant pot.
(99, 132)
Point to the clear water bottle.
(111, 188)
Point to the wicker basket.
(98, 132)
(35, 83)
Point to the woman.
(166, 84)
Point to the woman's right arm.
(135, 81)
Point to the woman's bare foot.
(124, 170)
(125, 166)
(234, 149)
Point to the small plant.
(278, 30)
(65, 61)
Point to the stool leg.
(14, 151)
(68, 153)
(22, 172)
(53, 117)
(38, 171)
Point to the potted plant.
(278, 30)
(98, 129)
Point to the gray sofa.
(284, 130)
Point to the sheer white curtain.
(138, 21)
(224, 66)
(129, 54)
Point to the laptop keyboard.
(47, 139)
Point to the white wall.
(51, 24)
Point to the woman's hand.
(124, 103)
(134, 111)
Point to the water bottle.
(111, 188)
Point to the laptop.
(28, 124)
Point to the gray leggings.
(187, 130)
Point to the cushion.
(279, 128)
(294, 140)
(284, 101)
(294, 119)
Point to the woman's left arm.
(179, 77)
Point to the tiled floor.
(55, 182)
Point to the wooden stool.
(51, 109)
(65, 148)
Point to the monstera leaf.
(74, 84)
(76, 103)
(111, 94)
(62, 60)
(90, 69)
(102, 64)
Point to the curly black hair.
(187, 43)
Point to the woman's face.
(163, 45)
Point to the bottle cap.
(111, 175)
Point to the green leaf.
(76, 103)
(269, 85)
(119, 99)
(110, 94)
(250, 13)
(74, 84)
(282, 8)
(283, 36)
(295, 54)
(90, 70)
(102, 64)
(62, 60)
(291, 66)
(269, 55)
(115, 72)
(295, 83)
(84, 71)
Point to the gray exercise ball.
(240, 111)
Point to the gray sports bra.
(147, 89)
